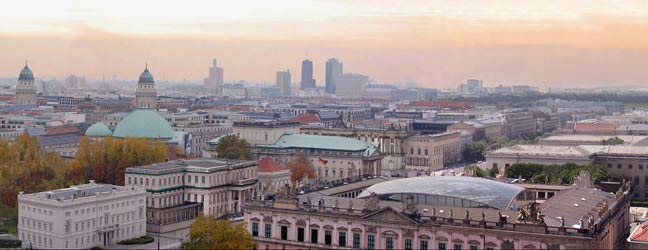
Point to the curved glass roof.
(491, 193)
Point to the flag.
(322, 161)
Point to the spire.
(25, 62)
(146, 66)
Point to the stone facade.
(82, 216)
(180, 190)
(433, 152)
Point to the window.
(424, 245)
(426, 151)
(408, 244)
(457, 247)
(371, 242)
(442, 246)
(284, 232)
(619, 166)
(314, 236)
(389, 243)
(636, 180)
(640, 166)
(494, 165)
(629, 166)
(473, 247)
(356, 241)
(268, 230)
(646, 180)
(609, 165)
(300, 234)
(328, 237)
(342, 239)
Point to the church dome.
(146, 77)
(98, 129)
(144, 123)
(26, 74)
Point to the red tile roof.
(583, 127)
(641, 234)
(307, 118)
(267, 165)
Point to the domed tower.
(26, 89)
(145, 95)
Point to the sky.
(436, 43)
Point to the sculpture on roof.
(372, 203)
(562, 222)
(590, 221)
(410, 205)
(584, 179)
(483, 216)
(530, 213)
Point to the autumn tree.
(300, 168)
(231, 147)
(24, 166)
(207, 232)
(105, 161)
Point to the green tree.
(231, 147)
(207, 232)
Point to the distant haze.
(437, 43)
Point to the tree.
(475, 151)
(207, 232)
(300, 168)
(556, 174)
(105, 161)
(231, 147)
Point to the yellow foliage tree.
(209, 233)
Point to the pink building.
(443, 213)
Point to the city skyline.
(573, 44)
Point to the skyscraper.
(145, 94)
(283, 82)
(307, 80)
(334, 69)
(26, 89)
(215, 79)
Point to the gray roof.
(200, 165)
(491, 193)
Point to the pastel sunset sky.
(574, 43)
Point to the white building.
(180, 190)
(82, 216)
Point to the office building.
(351, 85)
(307, 80)
(215, 79)
(334, 69)
(82, 216)
(283, 82)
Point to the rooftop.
(267, 165)
(290, 140)
(200, 165)
(491, 193)
(144, 123)
(75, 192)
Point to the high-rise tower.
(146, 95)
(334, 69)
(25, 88)
(215, 79)
(307, 80)
(283, 82)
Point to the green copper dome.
(144, 123)
(26, 74)
(98, 129)
(146, 77)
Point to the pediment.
(389, 214)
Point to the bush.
(137, 241)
